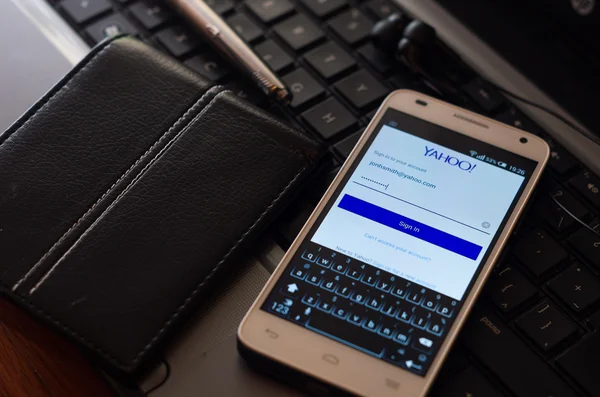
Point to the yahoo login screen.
(390, 259)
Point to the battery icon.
(502, 164)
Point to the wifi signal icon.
(473, 153)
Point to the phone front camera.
(523, 140)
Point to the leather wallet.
(128, 189)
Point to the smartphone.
(373, 292)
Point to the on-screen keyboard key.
(329, 118)
(322, 8)
(345, 288)
(446, 306)
(303, 87)
(390, 307)
(420, 317)
(588, 243)
(298, 32)
(329, 60)
(210, 66)
(508, 357)
(81, 11)
(540, 252)
(376, 302)
(300, 271)
(415, 295)
(351, 26)
(582, 362)
(341, 309)
(400, 288)
(274, 56)
(177, 40)
(376, 58)
(151, 14)
(330, 282)
(546, 326)
(510, 288)
(341, 265)
(316, 275)
(269, 11)
(361, 89)
(588, 185)
(485, 95)
(437, 325)
(245, 27)
(326, 302)
(385, 283)
(577, 287)
(110, 26)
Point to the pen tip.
(283, 95)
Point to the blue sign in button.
(411, 227)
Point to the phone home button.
(331, 359)
(392, 384)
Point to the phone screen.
(391, 258)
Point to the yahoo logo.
(453, 161)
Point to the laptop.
(543, 300)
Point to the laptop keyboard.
(533, 331)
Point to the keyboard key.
(377, 59)
(329, 60)
(359, 297)
(345, 288)
(151, 14)
(469, 382)
(356, 318)
(326, 260)
(371, 324)
(329, 118)
(351, 26)
(386, 329)
(245, 27)
(416, 295)
(370, 275)
(292, 289)
(553, 213)
(588, 185)
(431, 301)
(310, 299)
(423, 344)
(561, 161)
(81, 11)
(340, 266)
(310, 255)
(540, 252)
(587, 243)
(316, 276)
(248, 91)
(300, 313)
(220, 6)
(400, 288)
(577, 287)
(110, 26)
(446, 306)
(510, 288)
(322, 8)
(485, 95)
(298, 32)
(273, 55)
(330, 282)
(303, 87)
(496, 346)
(546, 326)
(381, 8)
(376, 302)
(361, 89)
(326, 303)
(301, 271)
(390, 308)
(177, 41)
(354, 272)
(210, 66)
(580, 363)
(420, 317)
(269, 11)
(385, 283)
(437, 325)
(517, 119)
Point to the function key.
(150, 13)
(303, 87)
(81, 11)
(220, 6)
(381, 8)
(300, 313)
(329, 60)
(310, 254)
(405, 313)
(210, 66)
(298, 32)
(376, 58)
(588, 185)
(546, 326)
(291, 290)
(322, 8)
(280, 305)
(446, 306)
(110, 26)
(361, 89)
(351, 26)
(245, 27)
(316, 276)
(269, 11)
(301, 271)
(485, 95)
(273, 55)
(540, 252)
(423, 344)
(587, 243)
(177, 41)
(329, 118)
(577, 287)
(416, 294)
(510, 288)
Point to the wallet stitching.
(64, 85)
(201, 111)
(110, 189)
(216, 267)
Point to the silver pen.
(217, 32)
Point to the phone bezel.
(358, 372)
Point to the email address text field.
(409, 226)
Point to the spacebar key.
(498, 348)
(347, 333)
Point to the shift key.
(506, 355)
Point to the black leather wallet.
(125, 192)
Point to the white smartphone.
(372, 293)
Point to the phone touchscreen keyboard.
(364, 307)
